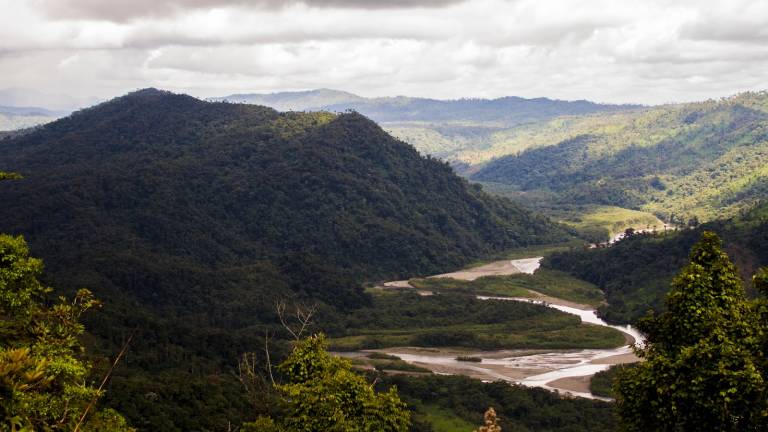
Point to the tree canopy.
(43, 382)
(321, 393)
(704, 365)
(189, 219)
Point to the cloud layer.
(654, 51)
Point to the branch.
(104, 381)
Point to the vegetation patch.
(599, 223)
(440, 419)
(469, 359)
(451, 320)
(519, 408)
(602, 382)
(545, 281)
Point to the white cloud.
(606, 50)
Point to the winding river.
(550, 370)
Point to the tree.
(491, 422)
(43, 383)
(323, 394)
(9, 176)
(704, 365)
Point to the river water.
(573, 364)
(550, 366)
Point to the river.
(564, 371)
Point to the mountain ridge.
(704, 159)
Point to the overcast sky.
(644, 51)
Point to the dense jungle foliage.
(704, 362)
(44, 382)
(635, 273)
(520, 409)
(190, 219)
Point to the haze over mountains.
(441, 128)
(506, 111)
(13, 117)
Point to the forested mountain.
(507, 111)
(441, 128)
(706, 159)
(703, 160)
(636, 273)
(190, 218)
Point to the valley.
(566, 371)
(383, 216)
(594, 167)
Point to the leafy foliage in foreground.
(191, 218)
(704, 365)
(43, 380)
(323, 394)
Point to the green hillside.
(635, 274)
(189, 219)
(447, 129)
(703, 160)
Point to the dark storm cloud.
(127, 10)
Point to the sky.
(640, 51)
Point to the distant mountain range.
(703, 160)
(505, 111)
(13, 118)
(441, 128)
(60, 102)
(22, 108)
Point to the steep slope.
(191, 218)
(442, 128)
(705, 159)
(222, 184)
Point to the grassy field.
(489, 285)
(385, 362)
(538, 333)
(457, 320)
(549, 282)
(610, 219)
(442, 420)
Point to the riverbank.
(565, 371)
